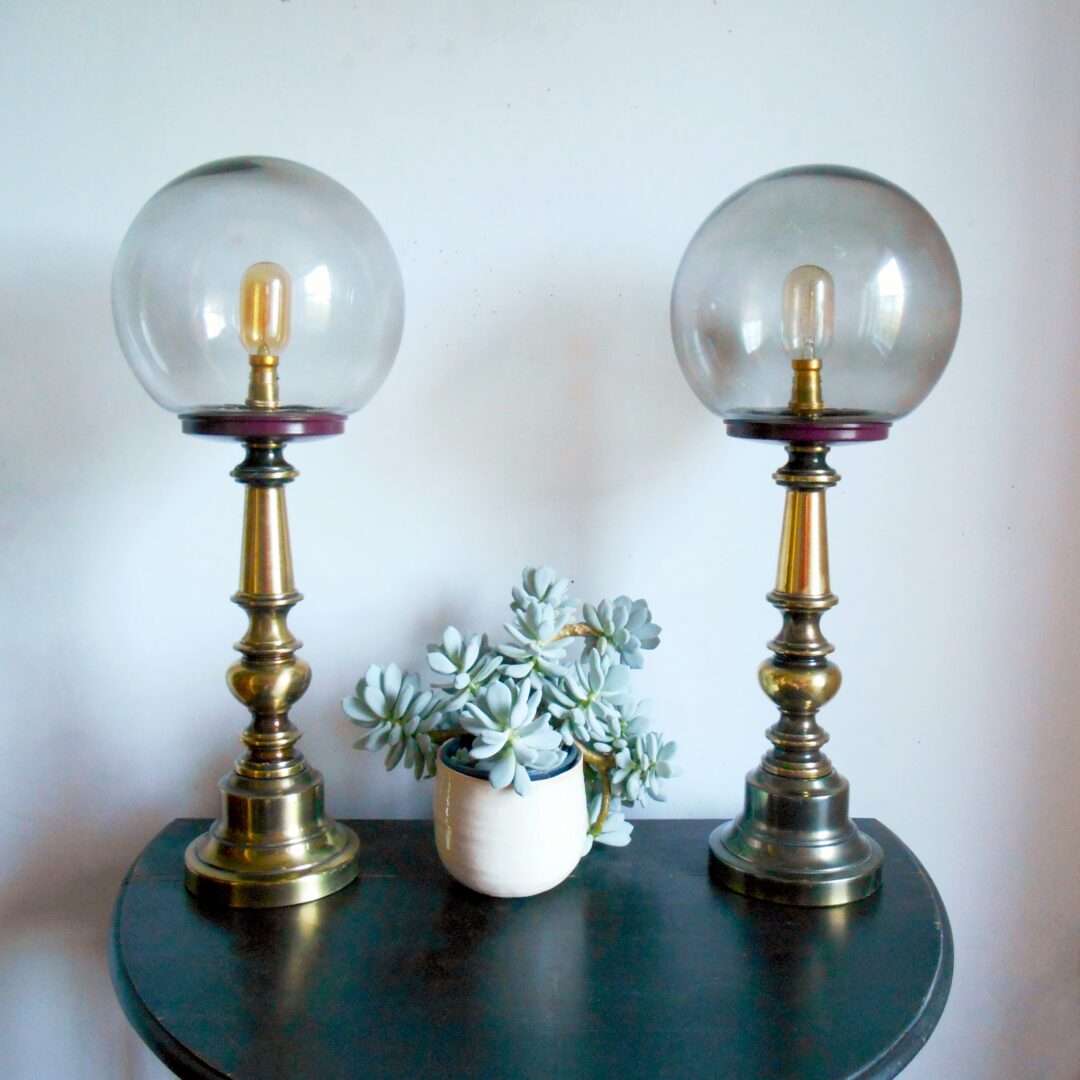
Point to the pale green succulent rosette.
(585, 701)
(642, 767)
(397, 714)
(542, 585)
(535, 653)
(614, 830)
(623, 625)
(509, 738)
(469, 662)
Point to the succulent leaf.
(616, 830)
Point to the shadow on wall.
(1039, 924)
(85, 741)
(537, 438)
(58, 1014)
(569, 403)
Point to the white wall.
(539, 169)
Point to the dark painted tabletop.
(637, 966)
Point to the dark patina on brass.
(794, 842)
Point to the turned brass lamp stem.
(797, 678)
(269, 679)
(273, 843)
(794, 841)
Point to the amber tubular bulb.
(265, 300)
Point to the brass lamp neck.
(806, 387)
(263, 382)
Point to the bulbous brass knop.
(799, 688)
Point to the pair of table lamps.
(814, 306)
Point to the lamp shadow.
(100, 712)
(55, 914)
(541, 438)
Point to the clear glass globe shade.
(176, 288)
(888, 301)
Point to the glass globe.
(250, 246)
(816, 263)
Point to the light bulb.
(265, 299)
(807, 310)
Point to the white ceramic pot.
(501, 843)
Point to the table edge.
(895, 1058)
(172, 1053)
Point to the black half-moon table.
(637, 966)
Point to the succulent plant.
(635, 719)
(642, 767)
(468, 660)
(536, 650)
(585, 700)
(606, 733)
(397, 714)
(614, 830)
(509, 737)
(519, 708)
(624, 625)
(541, 585)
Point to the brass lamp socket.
(263, 382)
(806, 387)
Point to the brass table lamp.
(227, 338)
(814, 306)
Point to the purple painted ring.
(796, 430)
(259, 423)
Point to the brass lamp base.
(795, 844)
(272, 846)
